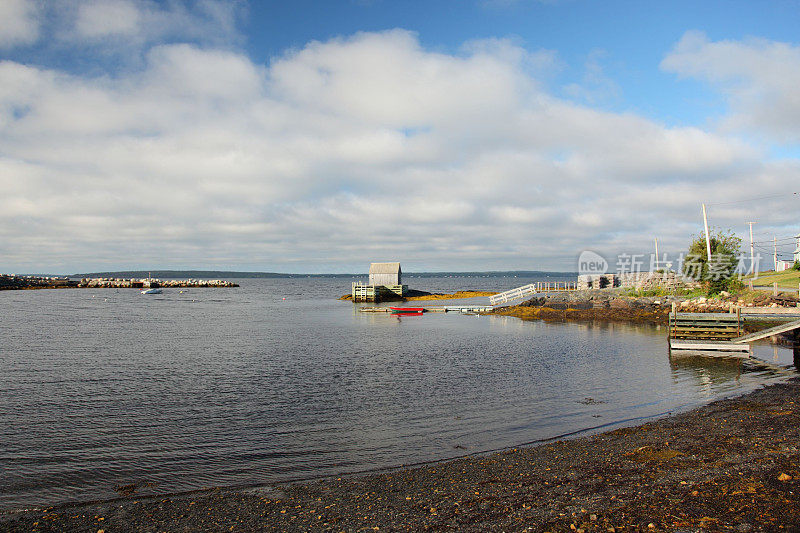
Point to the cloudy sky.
(449, 135)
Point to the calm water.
(104, 388)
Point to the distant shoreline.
(244, 275)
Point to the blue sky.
(318, 136)
(631, 37)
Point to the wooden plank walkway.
(764, 333)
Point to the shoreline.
(731, 464)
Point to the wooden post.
(750, 284)
(796, 350)
(669, 321)
(775, 288)
(738, 321)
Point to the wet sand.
(733, 465)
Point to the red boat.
(408, 310)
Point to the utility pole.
(752, 252)
(708, 238)
(775, 255)
(656, 239)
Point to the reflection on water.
(279, 380)
(709, 373)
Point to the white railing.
(531, 289)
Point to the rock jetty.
(15, 282)
(150, 283)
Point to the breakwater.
(15, 282)
(151, 283)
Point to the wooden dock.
(436, 309)
(721, 333)
(708, 326)
(709, 334)
(708, 348)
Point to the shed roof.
(384, 268)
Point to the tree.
(718, 273)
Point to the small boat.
(152, 291)
(408, 310)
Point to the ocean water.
(103, 392)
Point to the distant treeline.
(222, 274)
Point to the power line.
(754, 199)
(786, 241)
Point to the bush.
(718, 274)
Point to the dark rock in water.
(557, 303)
(536, 301)
(590, 401)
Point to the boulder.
(620, 303)
(536, 301)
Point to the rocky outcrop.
(598, 300)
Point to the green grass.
(658, 291)
(787, 278)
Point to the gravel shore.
(733, 465)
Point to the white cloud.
(120, 27)
(106, 18)
(759, 78)
(338, 153)
(19, 24)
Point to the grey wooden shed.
(386, 274)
